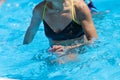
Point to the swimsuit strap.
(43, 14)
(73, 16)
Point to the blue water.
(101, 61)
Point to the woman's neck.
(56, 4)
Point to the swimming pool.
(101, 61)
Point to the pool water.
(101, 61)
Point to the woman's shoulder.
(39, 7)
(81, 8)
(79, 3)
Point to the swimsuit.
(71, 31)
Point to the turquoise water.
(101, 61)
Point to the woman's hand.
(63, 53)
(60, 48)
(56, 48)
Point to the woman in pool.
(91, 6)
(67, 24)
(93, 9)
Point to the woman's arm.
(84, 15)
(34, 25)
